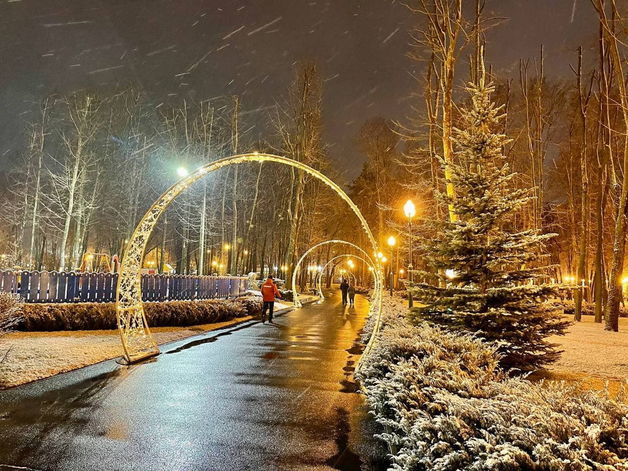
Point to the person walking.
(351, 292)
(269, 293)
(344, 288)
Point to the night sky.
(177, 49)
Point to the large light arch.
(318, 280)
(297, 267)
(137, 340)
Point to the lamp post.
(391, 243)
(410, 211)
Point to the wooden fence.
(71, 287)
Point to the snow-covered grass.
(37, 355)
(445, 405)
(590, 350)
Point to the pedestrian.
(344, 288)
(269, 293)
(351, 292)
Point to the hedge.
(96, 316)
(445, 405)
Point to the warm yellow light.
(350, 263)
(214, 263)
(409, 209)
(370, 268)
(246, 252)
(384, 259)
(451, 274)
(226, 246)
(401, 271)
(624, 280)
(182, 172)
(392, 241)
(380, 255)
(284, 267)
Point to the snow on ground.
(591, 354)
(591, 350)
(596, 358)
(37, 355)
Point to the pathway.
(259, 397)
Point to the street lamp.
(410, 211)
(391, 243)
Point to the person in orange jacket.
(269, 293)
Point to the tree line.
(94, 164)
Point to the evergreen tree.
(483, 275)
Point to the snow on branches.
(482, 275)
(445, 405)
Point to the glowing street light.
(384, 259)
(182, 172)
(409, 209)
(451, 274)
(392, 241)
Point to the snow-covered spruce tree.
(482, 275)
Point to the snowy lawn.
(37, 355)
(591, 355)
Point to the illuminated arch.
(318, 280)
(137, 340)
(297, 267)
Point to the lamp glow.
(451, 274)
(409, 209)
(392, 241)
(182, 172)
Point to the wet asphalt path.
(258, 397)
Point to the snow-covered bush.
(10, 311)
(90, 316)
(445, 405)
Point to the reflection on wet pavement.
(257, 396)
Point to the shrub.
(10, 311)
(446, 405)
(92, 316)
(287, 295)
